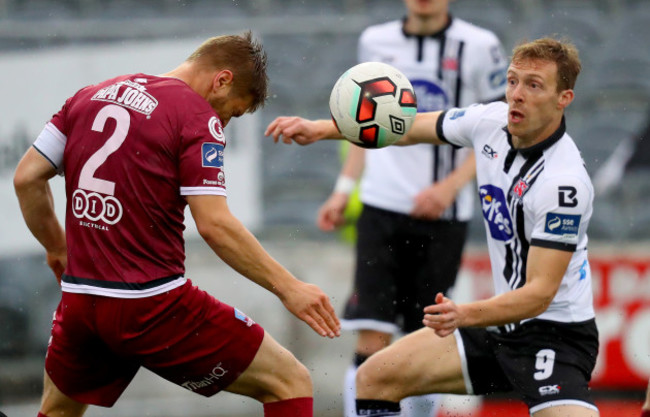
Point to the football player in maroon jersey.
(135, 150)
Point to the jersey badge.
(498, 78)
(243, 317)
(495, 212)
(214, 125)
(520, 188)
(212, 155)
(562, 224)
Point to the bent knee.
(376, 381)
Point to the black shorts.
(401, 263)
(547, 363)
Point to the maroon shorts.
(185, 335)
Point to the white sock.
(421, 406)
(350, 392)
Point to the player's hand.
(432, 202)
(444, 317)
(330, 214)
(292, 128)
(311, 305)
(57, 262)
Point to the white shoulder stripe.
(203, 191)
(51, 143)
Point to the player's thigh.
(56, 404)
(273, 375)
(419, 363)
(566, 410)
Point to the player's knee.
(374, 381)
(290, 381)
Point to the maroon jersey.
(134, 147)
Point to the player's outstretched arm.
(302, 131)
(544, 272)
(423, 130)
(37, 206)
(233, 243)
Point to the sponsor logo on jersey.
(488, 152)
(431, 97)
(128, 94)
(95, 207)
(243, 317)
(549, 390)
(583, 270)
(566, 196)
(562, 224)
(457, 114)
(215, 374)
(212, 155)
(214, 125)
(495, 212)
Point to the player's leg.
(56, 404)
(274, 374)
(368, 343)
(431, 258)
(567, 410)
(371, 308)
(645, 409)
(417, 364)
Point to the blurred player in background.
(417, 201)
(537, 336)
(135, 150)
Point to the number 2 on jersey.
(87, 179)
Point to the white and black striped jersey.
(537, 196)
(460, 65)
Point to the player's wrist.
(345, 185)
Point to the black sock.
(377, 408)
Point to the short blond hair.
(562, 52)
(244, 57)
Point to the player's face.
(535, 108)
(230, 106)
(427, 8)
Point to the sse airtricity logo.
(212, 155)
(495, 212)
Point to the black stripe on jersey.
(436, 163)
(459, 82)
(119, 285)
(441, 54)
(523, 252)
(454, 206)
(567, 247)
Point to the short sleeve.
(489, 74)
(561, 209)
(202, 146)
(456, 125)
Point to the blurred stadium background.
(51, 48)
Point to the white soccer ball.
(373, 104)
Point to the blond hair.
(244, 57)
(562, 52)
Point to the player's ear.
(223, 78)
(565, 98)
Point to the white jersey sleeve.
(561, 209)
(51, 143)
(456, 126)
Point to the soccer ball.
(373, 104)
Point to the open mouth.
(516, 116)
